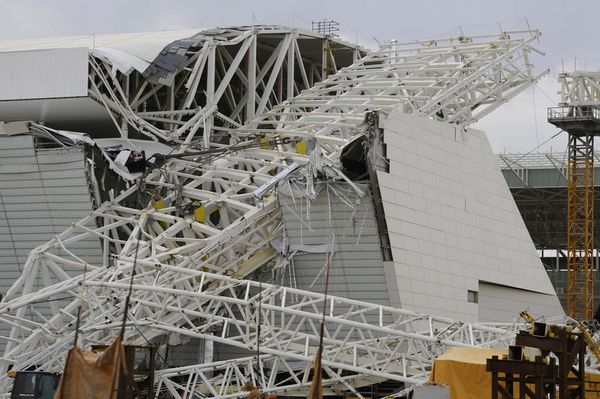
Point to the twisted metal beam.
(199, 213)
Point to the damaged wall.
(340, 217)
(453, 223)
(42, 192)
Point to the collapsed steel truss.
(400, 345)
(579, 88)
(198, 225)
(218, 80)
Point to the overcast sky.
(569, 30)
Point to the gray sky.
(569, 30)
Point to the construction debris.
(203, 220)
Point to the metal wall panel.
(54, 73)
(336, 219)
(340, 217)
(42, 192)
(453, 222)
(505, 303)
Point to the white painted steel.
(223, 58)
(190, 270)
(579, 88)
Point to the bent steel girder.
(226, 77)
(237, 245)
(282, 376)
(172, 248)
(275, 375)
(361, 339)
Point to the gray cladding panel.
(42, 192)
(18, 142)
(28, 172)
(60, 191)
(50, 73)
(337, 215)
(51, 182)
(186, 354)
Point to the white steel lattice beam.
(198, 96)
(366, 340)
(579, 88)
(195, 222)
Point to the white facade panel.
(453, 223)
(52, 73)
(337, 219)
(506, 302)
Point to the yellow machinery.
(525, 315)
(591, 341)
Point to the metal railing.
(579, 112)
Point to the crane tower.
(579, 115)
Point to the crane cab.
(34, 385)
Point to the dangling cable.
(316, 388)
(118, 359)
(537, 137)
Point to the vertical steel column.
(210, 92)
(289, 91)
(251, 72)
(580, 225)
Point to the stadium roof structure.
(195, 228)
(165, 84)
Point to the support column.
(251, 98)
(324, 59)
(290, 69)
(124, 123)
(210, 93)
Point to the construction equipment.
(138, 370)
(592, 343)
(510, 375)
(567, 377)
(579, 115)
(34, 385)
(570, 350)
(525, 315)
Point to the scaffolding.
(326, 27)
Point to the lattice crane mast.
(579, 115)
